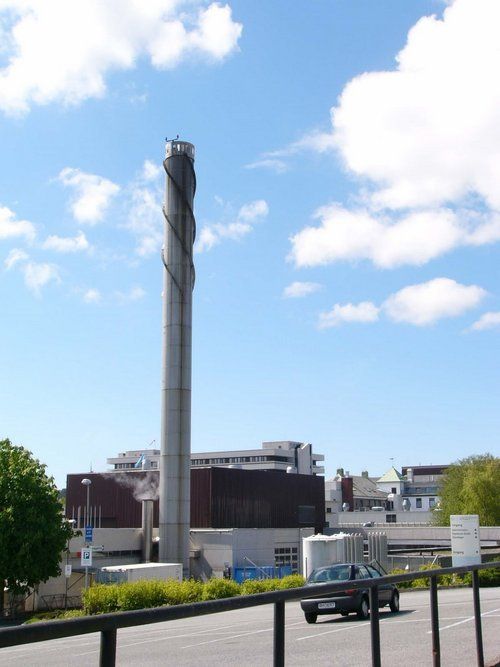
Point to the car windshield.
(326, 574)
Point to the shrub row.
(486, 578)
(104, 598)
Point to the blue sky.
(348, 218)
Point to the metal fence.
(108, 624)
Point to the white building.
(398, 497)
(421, 486)
(286, 455)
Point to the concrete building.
(360, 492)
(422, 486)
(395, 497)
(285, 455)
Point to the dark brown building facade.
(220, 498)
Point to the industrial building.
(285, 455)
(220, 498)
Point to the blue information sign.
(88, 533)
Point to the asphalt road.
(244, 638)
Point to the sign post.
(86, 557)
(465, 545)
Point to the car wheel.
(394, 603)
(364, 609)
(311, 618)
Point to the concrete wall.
(359, 518)
(217, 548)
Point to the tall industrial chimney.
(178, 283)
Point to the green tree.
(33, 531)
(471, 486)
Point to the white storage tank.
(320, 550)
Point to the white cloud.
(134, 294)
(253, 211)
(150, 170)
(428, 302)
(66, 244)
(93, 194)
(145, 218)
(37, 275)
(434, 119)
(297, 289)
(15, 256)
(489, 320)
(61, 51)
(273, 164)
(92, 296)
(248, 215)
(12, 228)
(424, 140)
(276, 160)
(363, 312)
(413, 238)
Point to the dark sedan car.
(351, 600)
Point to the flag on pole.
(139, 461)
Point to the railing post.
(477, 616)
(374, 627)
(436, 649)
(279, 634)
(107, 656)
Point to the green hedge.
(486, 578)
(103, 598)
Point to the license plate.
(326, 605)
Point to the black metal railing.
(108, 624)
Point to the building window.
(307, 515)
(328, 510)
(418, 503)
(432, 503)
(394, 490)
(390, 518)
(286, 556)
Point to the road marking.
(466, 620)
(244, 634)
(354, 626)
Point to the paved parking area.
(244, 638)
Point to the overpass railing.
(108, 624)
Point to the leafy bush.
(141, 594)
(100, 599)
(292, 581)
(55, 616)
(72, 613)
(401, 584)
(103, 598)
(486, 577)
(423, 582)
(215, 589)
(252, 586)
(182, 592)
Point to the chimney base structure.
(178, 284)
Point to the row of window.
(237, 459)
(286, 556)
(418, 503)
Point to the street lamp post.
(72, 523)
(87, 482)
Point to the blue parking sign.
(88, 533)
